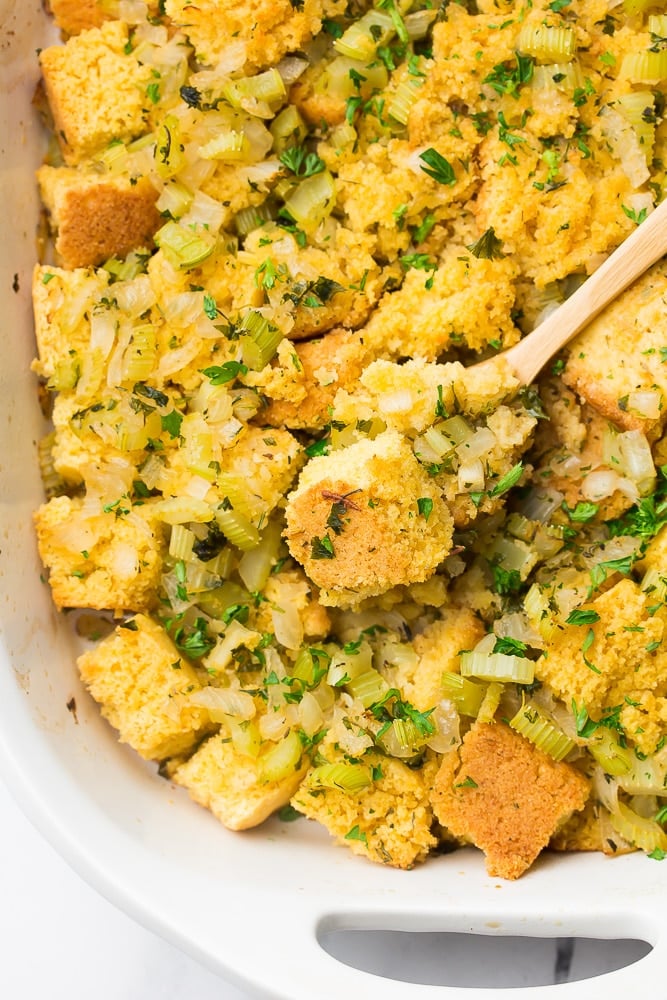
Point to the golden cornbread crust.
(95, 218)
(383, 540)
(505, 796)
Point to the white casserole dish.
(250, 906)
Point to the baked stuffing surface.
(339, 571)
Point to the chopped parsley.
(582, 617)
(437, 167)
(509, 646)
(425, 507)
(322, 548)
(300, 162)
(356, 834)
(221, 374)
(507, 481)
(488, 246)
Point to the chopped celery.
(546, 43)
(368, 687)
(404, 97)
(281, 760)
(490, 702)
(312, 200)
(362, 39)
(169, 152)
(180, 542)
(228, 147)
(349, 778)
(498, 667)
(610, 755)
(238, 529)
(288, 129)
(467, 695)
(267, 87)
(637, 830)
(644, 66)
(183, 247)
(538, 727)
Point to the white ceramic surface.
(251, 906)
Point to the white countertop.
(63, 941)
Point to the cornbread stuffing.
(357, 576)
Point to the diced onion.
(223, 702)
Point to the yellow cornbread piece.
(141, 682)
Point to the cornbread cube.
(74, 16)
(62, 301)
(389, 822)
(268, 461)
(437, 649)
(228, 783)
(107, 561)
(628, 652)
(469, 301)
(96, 90)
(655, 555)
(337, 285)
(620, 354)
(325, 365)
(268, 28)
(502, 794)
(141, 682)
(354, 522)
(96, 217)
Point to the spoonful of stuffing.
(419, 449)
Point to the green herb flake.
(507, 481)
(300, 162)
(437, 167)
(510, 647)
(322, 548)
(582, 512)
(210, 308)
(582, 617)
(425, 507)
(171, 423)
(221, 374)
(356, 834)
(468, 782)
(487, 247)
(288, 814)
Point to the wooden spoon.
(643, 247)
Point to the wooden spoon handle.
(643, 247)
